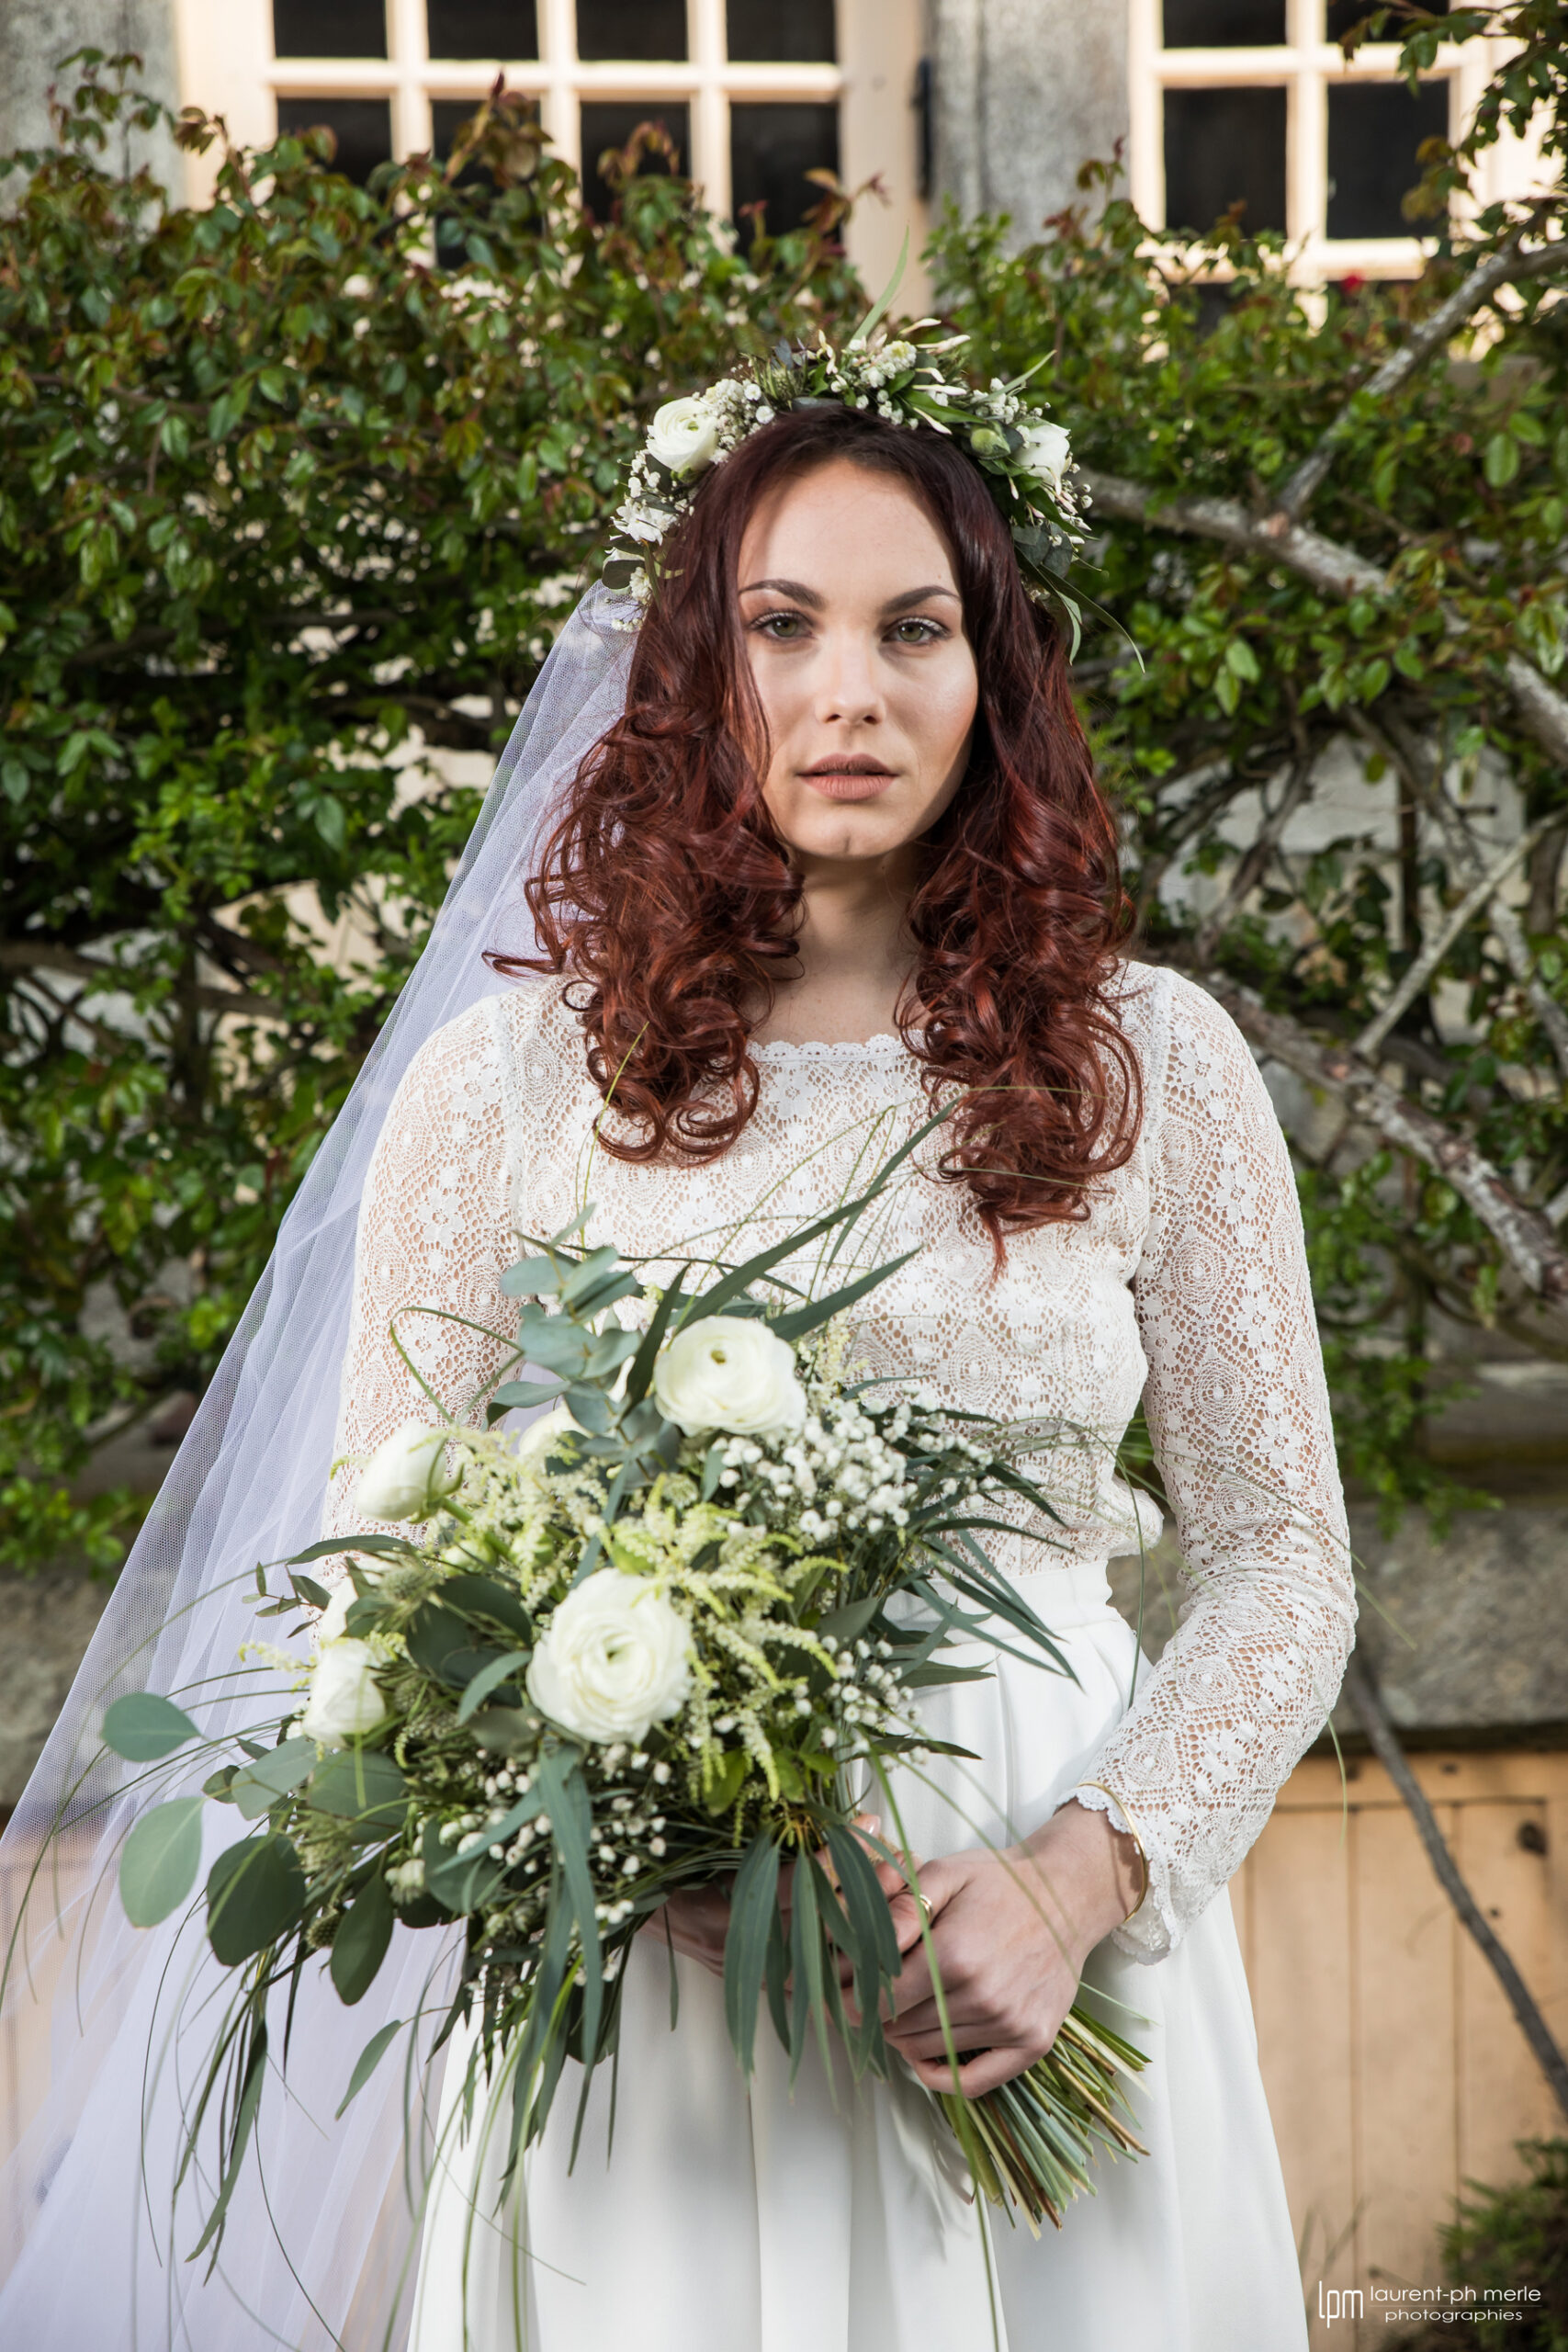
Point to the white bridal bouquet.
(676, 1633)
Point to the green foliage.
(285, 506)
(1518, 2237)
(1254, 679)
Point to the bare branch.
(1361, 1692)
(1421, 769)
(1335, 570)
(1525, 1236)
(1254, 862)
(21, 956)
(1432, 955)
(1502, 268)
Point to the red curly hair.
(668, 897)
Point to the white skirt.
(730, 2219)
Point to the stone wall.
(35, 35)
(1023, 91)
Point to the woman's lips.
(848, 783)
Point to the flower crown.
(1026, 460)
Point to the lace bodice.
(1186, 1284)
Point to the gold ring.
(925, 1903)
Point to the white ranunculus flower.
(683, 435)
(539, 1436)
(1047, 452)
(344, 1703)
(613, 1659)
(729, 1372)
(405, 1477)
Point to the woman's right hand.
(696, 1921)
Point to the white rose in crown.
(614, 1660)
(683, 435)
(405, 1477)
(541, 1436)
(1047, 452)
(343, 1701)
(729, 1372)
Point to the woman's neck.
(854, 950)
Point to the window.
(1252, 104)
(755, 93)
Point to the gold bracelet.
(1133, 1834)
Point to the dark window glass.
(1224, 24)
(1223, 147)
(1342, 14)
(362, 127)
(338, 28)
(651, 28)
(1374, 129)
(772, 148)
(611, 125)
(786, 32)
(482, 27)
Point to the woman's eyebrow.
(796, 588)
(918, 596)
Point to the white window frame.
(1306, 65)
(228, 66)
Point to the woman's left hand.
(1012, 1931)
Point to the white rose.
(333, 1623)
(683, 435)
(541, 1436)
(345, 1703)
(403, 1477)
(615, 1659)
(729, 1372)
(1047, 452)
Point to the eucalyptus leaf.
(360, 1944)
(160, 1859)
(256, 1892)
(143, 1726)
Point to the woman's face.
(855, 633)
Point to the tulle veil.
(102, 2024)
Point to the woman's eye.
(782, 626)
(917, 632)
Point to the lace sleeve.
(433, 1235)
(1238, 1411)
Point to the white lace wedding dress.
(736, 2219)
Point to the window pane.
(652, 28)
(340, 28)
(772, 148)
(1374, 129)
(1223, 147)
(362, 127)
(483, 28)
(781, 33)
(1224, 24)
(611, 125)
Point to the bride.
(835, 853)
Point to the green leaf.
(488, 1678)
(487, 1597)
(447, 1645)
(160, 1861)
(369, 2058)
(142, 1726)
(360, 1784)
(800, 1321)
(360, 1944)
(564, 1791)
(751, 1909)
(256, 1892)
(1501, 459)
(1241, 660)
(259, 1786)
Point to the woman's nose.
(848, 688)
